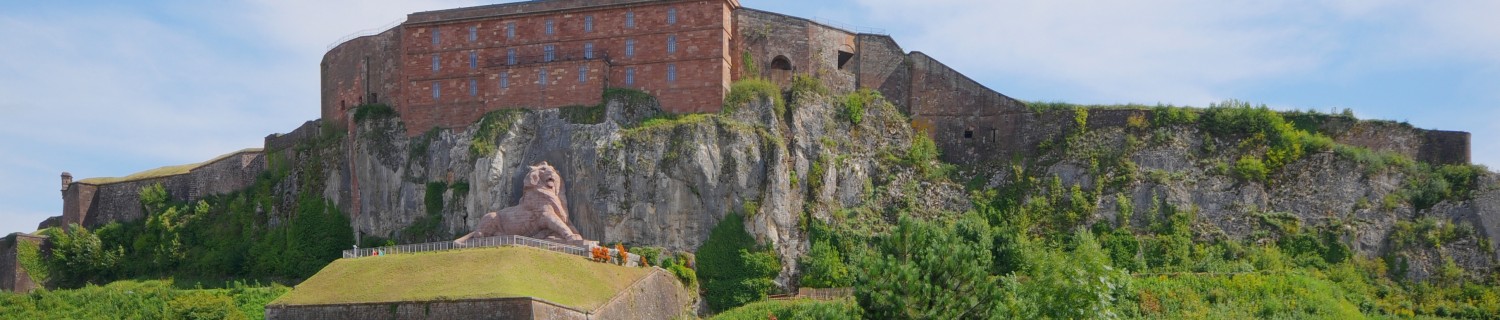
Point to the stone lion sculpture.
(542, 213)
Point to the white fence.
(497, 241)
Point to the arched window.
(781, 63)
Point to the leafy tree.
(78, 257)
(924, 270)
(733, 269)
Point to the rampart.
(13, 276)
(96, 202)
(658, 295)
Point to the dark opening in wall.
(781, 63)
(844, 57)
(342, 106)
(968, 134)
(373, 98)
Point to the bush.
(747, 90)
(805, 84)
(491, 126)
(824, 268)
(735, 270)
(794, 309)
(583, 114)
(855, 103)
(925, 270)
(78, 257)
(1166, 116)
(373, 111)
(1250, 168)
(202, 305)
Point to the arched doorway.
(781, 70)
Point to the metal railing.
(497, 241)
(365, 32)
(849, 27)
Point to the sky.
(105, 88)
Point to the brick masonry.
(448, 68)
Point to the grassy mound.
(466, 274)
(163, 171)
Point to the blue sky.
(102, 88)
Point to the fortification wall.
(281, 141)
(810, 47)
(966, 119)
(881, 65)
(13, 277)
(659, 295)
(1430, 146)
(362, 70)
(501, 308)
(94, 205)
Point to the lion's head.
(544, 177)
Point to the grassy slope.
(163, 171)
(474, 273)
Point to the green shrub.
(78, 257)
(29, 256)
(734, 270)
(373, 111)
(202, 305)
(433, 198)
(747, 90)
(805, 84)
(824, 268)
(794, 309)
(1167, 116)
(1250, 168)
(491, 126)
(855, 103)
(580, 114)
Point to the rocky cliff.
(638, 176)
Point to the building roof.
(523, 7)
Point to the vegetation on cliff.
(152, 299)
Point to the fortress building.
(447, 68)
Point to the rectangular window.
(671, 72)
(630, 19)
(473, 87)
(435, 36)
(672, 44)
(549, 27)
(588, 50)
(504, 80)
(437, 63)
(510, 30)
(437, 90)
(630, 76)
(629, 48)
(510, 56)
(671, 16)
(541, 76)
(583, 74)
(473, 59)
(551, 52)
(588, 24)
(473, 34)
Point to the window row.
(542, 79)
(550, 26)
(550, 53)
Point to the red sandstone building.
(447, 68)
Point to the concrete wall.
(500, 308)
(13, 277)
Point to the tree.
(925, 270)
(78, 257)
(733, 269)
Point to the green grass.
(464, 274)
(793, 309)
(163, 171)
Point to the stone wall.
(13, 277)
(966, 119)
(499, 308)
(94, 205)
(281, 141)
(359, 71)
(1430, 146)
(658, 295)
(810, 48)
